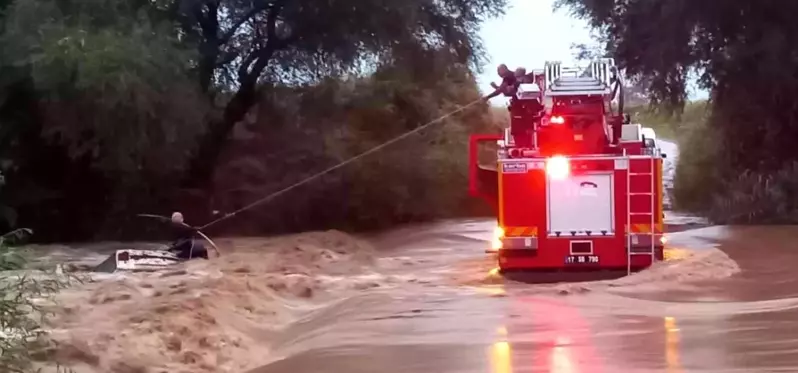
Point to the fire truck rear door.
(581, 204)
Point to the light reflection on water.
(672, 346)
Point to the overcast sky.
(528, 35)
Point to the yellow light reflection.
(495, 245)
(561, 360)
(493, 291)
(672, 346)
(496, 241)
(675, 253)
(500, 358)
(502, 331)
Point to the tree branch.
(231, 32)
(226, 59)
(209, 21)
(260, 57)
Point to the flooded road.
(427, 298)
(726, 300)
(732, 309)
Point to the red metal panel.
(552, 251)
(640, 165)
(523, 204)
(641, 183)
(524, 199)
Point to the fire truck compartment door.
(581, 204)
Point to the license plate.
(581, 259)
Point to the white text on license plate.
(581, 259)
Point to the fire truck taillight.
(557, 120)
(557, 167)
(496, 242)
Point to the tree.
(743, 52)
(112, 82)
(129, 97)
(745, 55)
(244, 45)
(102, 94)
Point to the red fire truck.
(575, 185)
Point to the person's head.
(177, 217)
(519, 72)
(502, 70)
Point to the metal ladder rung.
(649, 251)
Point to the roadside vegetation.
(739, 165)
(23, 307)
(109, 109)
(670, 127)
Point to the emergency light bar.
(558, 167)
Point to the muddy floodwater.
(428, 299)
(726, 302)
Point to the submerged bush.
(23, 339)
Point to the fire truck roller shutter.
(581, 205)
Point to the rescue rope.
(339, 165)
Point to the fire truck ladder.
(570, 81)
(633, 238)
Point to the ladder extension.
(597, 79)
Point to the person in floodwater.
(509, 83)
(184, 244)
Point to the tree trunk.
(206, 158)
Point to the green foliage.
(421, 177)
(137, 100)
(127, 73)
(242, 44)
(700, 186)
(667, 126)
(292, 41)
